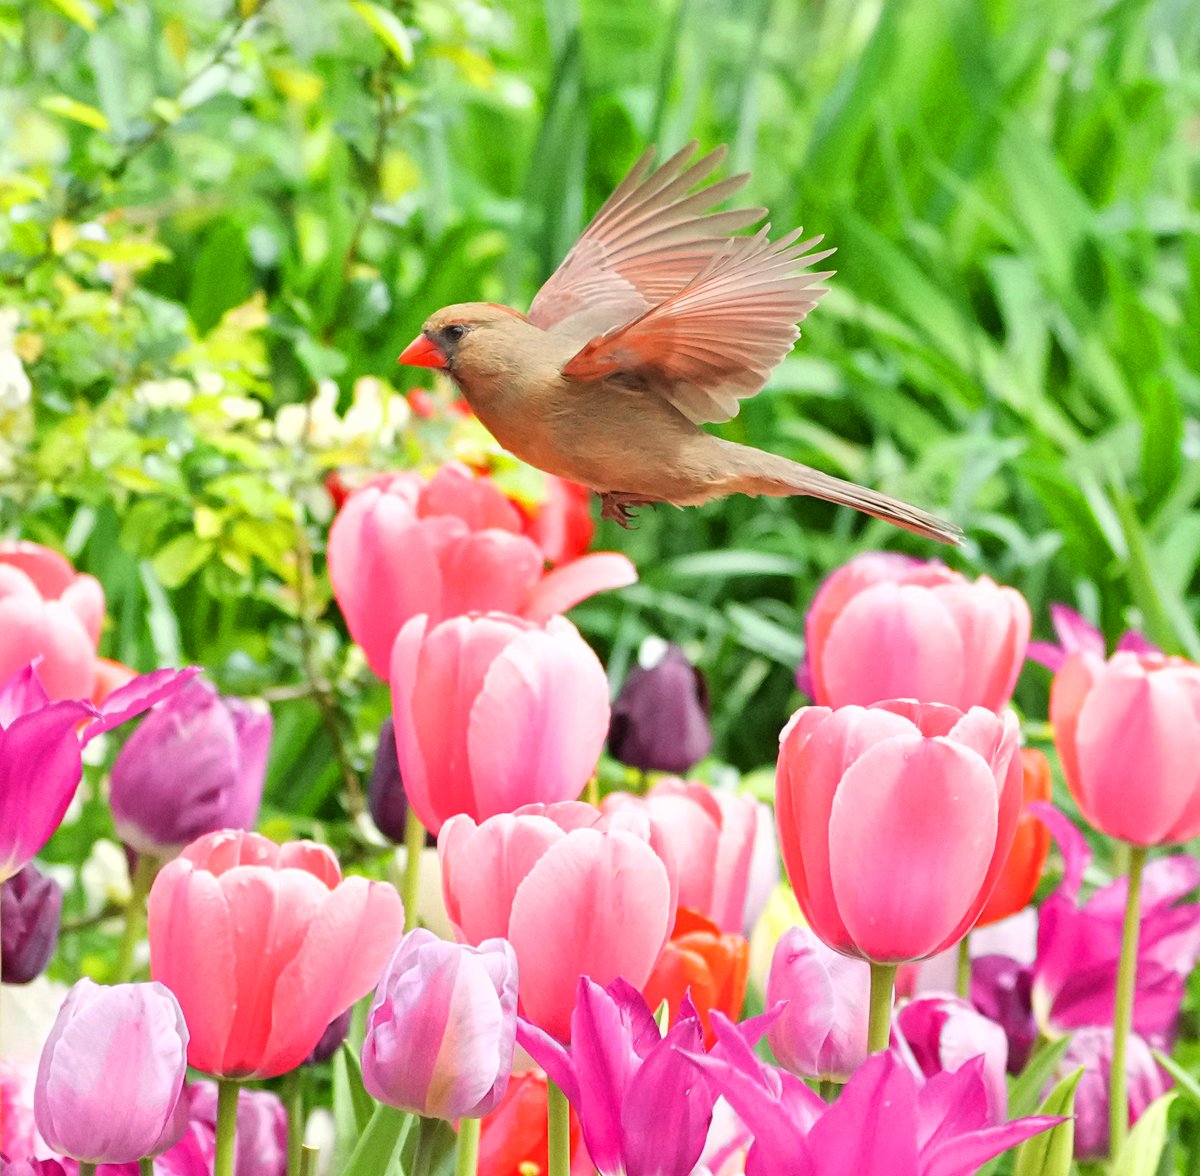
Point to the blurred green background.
(206, 211)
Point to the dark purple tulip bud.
(195, 765)
(385, 792)
(334, 1035)
(1001, 990)
(660, 718)
(30, 906)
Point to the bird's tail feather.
(767, 473)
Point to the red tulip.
(895, 822)
(512, 1139)
(264, 945)
(561, 524)
(574, 892)
(886, 626)
(1128, 735)
(1031, 845)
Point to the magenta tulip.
(574, 892)
(50, 612)
(1075, 634)
(885, 626)
(710, 835)
(821, 1031)
(196, 764)
(895, 822)
(493, 712)
(402, 546)
(1128, 734)
(1001, 989)
(109, 1082)
(40, 742)
(442, 1027)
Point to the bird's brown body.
(655, 322)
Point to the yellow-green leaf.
(388, 28)
(79, 112)
(77, 10)
(1144, 1147)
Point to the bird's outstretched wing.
(715, 340)
(649, 239)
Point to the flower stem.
(227, 1098)
(466, 1152)
(558, 1133)
(135, 916)
(146, 1166)
(414, 845)
(1118, 1101)
(828, 1089)
(963, 979)
(86, 1169)
(879, 1027)
(293, 1101)
(308, 1161)
(423, 1156)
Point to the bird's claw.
(617, 507)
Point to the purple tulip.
(1091, 1048)
(642, 1111)
(1075, 633)
(331, 1039)
(887, 1118)
(821, 1032)
(30, 906)
(1001, 990)
(944, 1033)
(385, 792)
(195, 765)
(441, 1029)
(40, 764)
(1079, 944)
(261, 1128)
(111, 1073)
(660, 718)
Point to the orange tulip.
(1027, 858)
(712, 966)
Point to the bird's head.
(450, 337)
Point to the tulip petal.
(486, 571)
(49, 633)
(911, 833)
(454, 490)
(137, 696)
(565, 586)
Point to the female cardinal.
(657, 321)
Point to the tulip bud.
(822, 1030)
(333, 1037)
(111, 1072)
(1001, 989)
(30, 906)
(385, 792)
(442, 1027)
(195, 765)
(660, 718)
(261, 1127)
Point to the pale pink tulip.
(493, 712)
(895, 822)
(886, 626)
(575, 893)
(402, 546)
(1128, 735)
(710, 835)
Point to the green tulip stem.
(146, 1166)
(135, 916)
(1118, 1102)
(466, 1150)
(227, 1099)
(423, 1156)
(293, 1101)
(308, 1161)
(414, 845)
(879, 1027)
(828, 1089)
(558, 1133)
(963, 979)
(86, 1169)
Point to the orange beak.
(423, 352)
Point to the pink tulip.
(40, 742)
(710, 835)
(821, 1031)
(402, 546)
(264, 945)
(895, 822)
(261, 1128)
(111, 1073)
(442, 1027)
(885, 626)
(575, 893)
(48, 611)
(1128, 734)
(493, 712)
(1074, 633)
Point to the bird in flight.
(660, 319)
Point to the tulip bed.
(368, 808)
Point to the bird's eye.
(454, 331)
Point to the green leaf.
(1050, 1153)
(1144, 1147)
(349, 1072)
(380, 1142)
(388, 28)
(1025, 1092)
(79, 112)
(1186, 1081)
(79, 11)
(180, 559)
